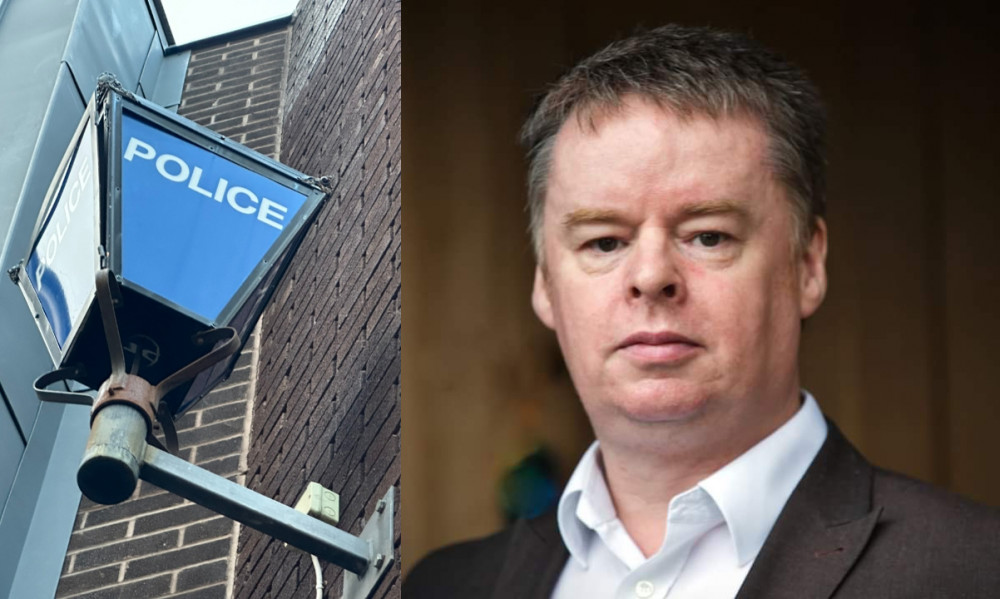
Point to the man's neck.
(643, 479)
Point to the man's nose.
(654, 273)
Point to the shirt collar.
(750, 491)
(575, 524)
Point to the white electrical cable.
(319, 577)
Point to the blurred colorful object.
(530, 487)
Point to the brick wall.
(157, 544)
(327, 404)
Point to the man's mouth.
(659, 347)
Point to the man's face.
(669, 271)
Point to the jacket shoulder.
(915, 508)
(928, 538)
(523, 560)
(467, 569)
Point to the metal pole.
(117, 456)
(255, 510)
(114, 454)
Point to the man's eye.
(605, 244)
(710, 238)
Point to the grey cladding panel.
(170, 82)
(24, 357)
(38, 516)
(162, 79)
(151, 68)
(34, 36)
(109, 36)
(11, 449)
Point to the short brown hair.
(692, 71)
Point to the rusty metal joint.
(130, 390)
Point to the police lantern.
(193, 229)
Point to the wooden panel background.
(902, 353)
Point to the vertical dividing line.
(13, 417)
(241, 476)
(933, 197)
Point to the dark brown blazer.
(848, 531)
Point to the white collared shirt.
(714, 530)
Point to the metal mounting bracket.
(379, 534)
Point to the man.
(676, 198)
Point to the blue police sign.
(194, 224)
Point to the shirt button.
(644, 589)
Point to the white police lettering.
(195, 180)
(220, 189)
(268, 209)
(134, 145)
(78, 180)
(175, 169)
(235, 192)
(182, 173)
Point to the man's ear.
(540, 299)
(812, 271)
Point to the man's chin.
(662, 403)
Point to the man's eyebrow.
(714, 208)
(590, 216)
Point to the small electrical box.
(321, 503)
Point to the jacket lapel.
(822, 530)
(534, 561)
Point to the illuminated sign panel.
(64, 259)
(194, 224)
